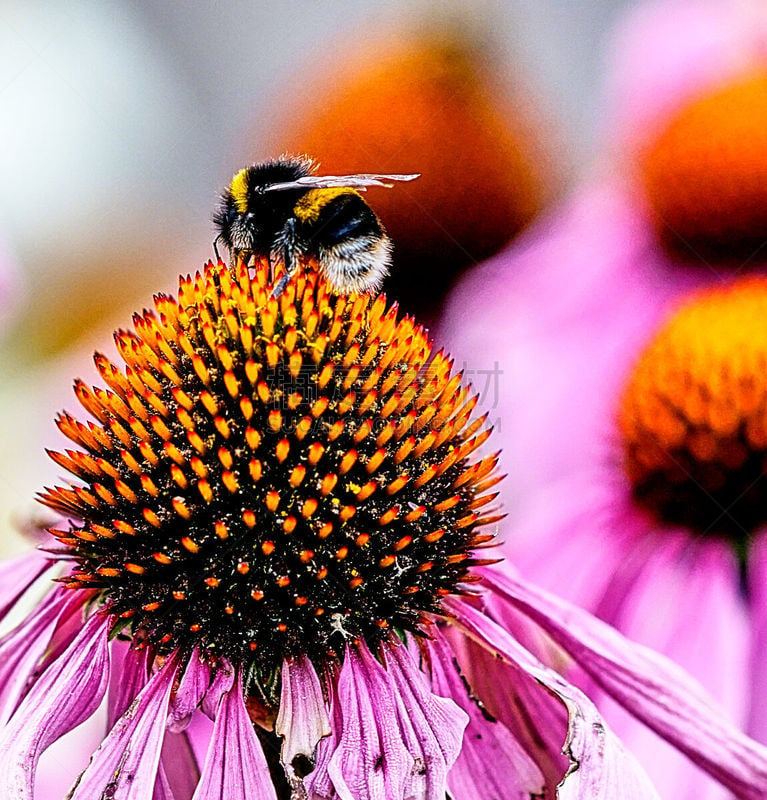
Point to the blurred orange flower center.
(706, 174)
(694, 413)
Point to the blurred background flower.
(654, 523)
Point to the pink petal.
(235, 767)
(667, 52)
(178, 772)
(492, 762)
(17, 575)
(67, 693)
(128, 676)
(432, 727)
(589, 269)
(656, 691)
(303, 718)
(600, 766)
(199, 732)
(162, 789)
(178, 768)
(537, 720)
(194, 684)
(318, 783)
(222, 681)
(125, 765)
(757, 584)
(22, 650)
(685, 595)
(371, 760)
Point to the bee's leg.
(215, 248)
(288, 256)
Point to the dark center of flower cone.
(694, 414)
(268, 477)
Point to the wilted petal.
(654, 689)
(600, 766)
(371, 760)
(303, 718)
(66, 694)
(492, 762)
(235, 767)
(124, 766)
(432, 727)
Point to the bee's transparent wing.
(345, 181)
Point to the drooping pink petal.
(199, 733)
(654, 689)
(432, 726)
(371, 761)
(17, 575)
(22, 650)
(492, 762)
(510, 694)
(128, 676)
(318, 783)
(67, 693)
(194, 684)
(124, 766)
(162, 788)
(600, 766)
(684, 596)
(179, 768)
(235, 767)
(757, 584)
(303, 718)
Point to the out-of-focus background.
(120, 123)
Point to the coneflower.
(275, 524)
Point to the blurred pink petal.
(757, 586)
(668, 51)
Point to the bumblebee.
(282, 210)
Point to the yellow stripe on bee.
(307, 209)
(238, 188)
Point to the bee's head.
(248, 217)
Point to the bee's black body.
(263, 213)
